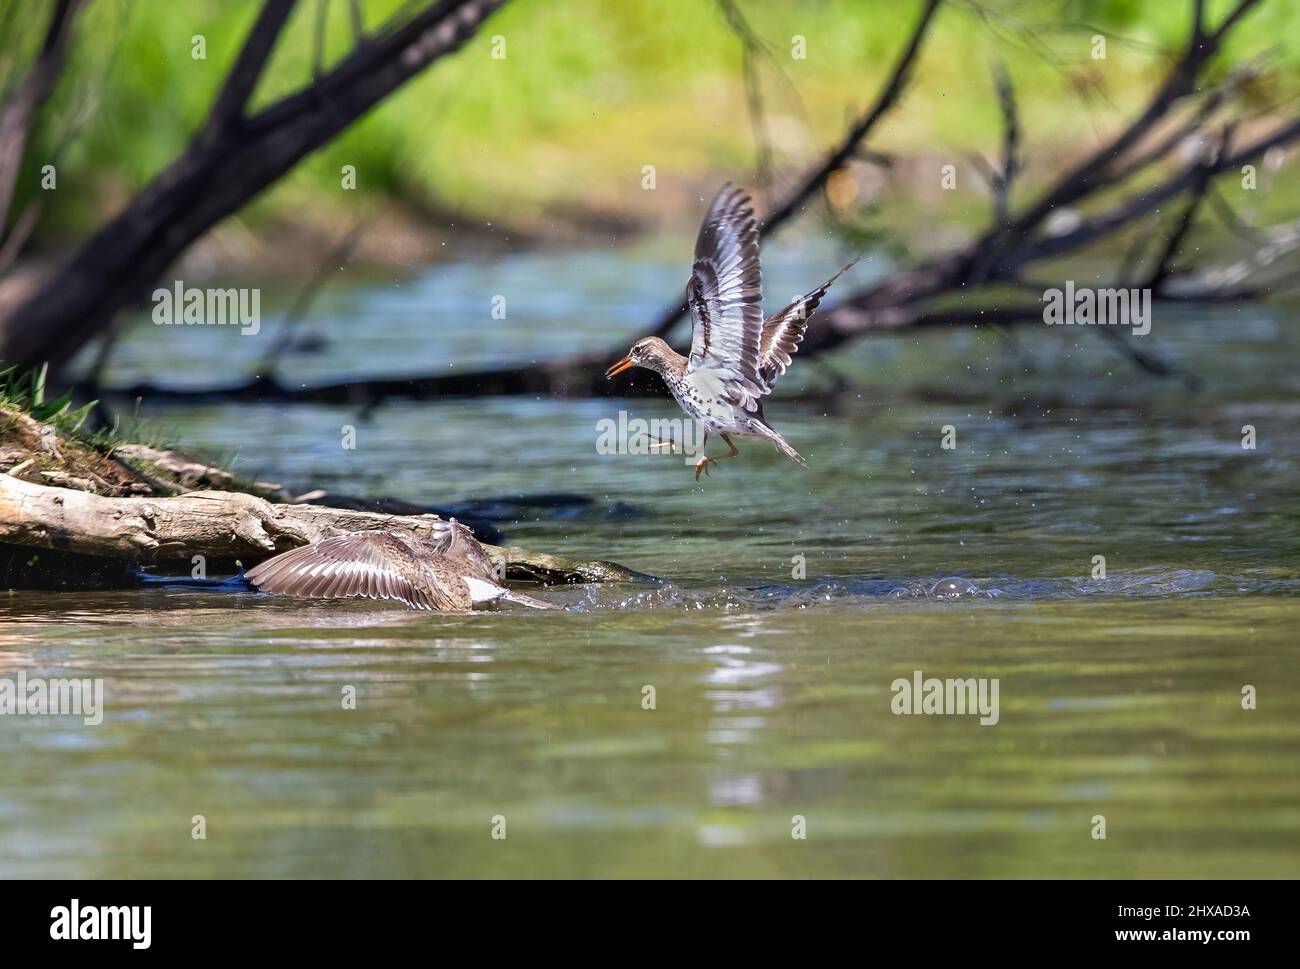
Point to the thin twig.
(20, 113)
(750, 49)
(332, 263)
(250, 65)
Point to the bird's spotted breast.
(717, 413)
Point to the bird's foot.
(702, 466)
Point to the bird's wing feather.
(373, 565)
(725, 295)
(784, 330)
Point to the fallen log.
(223, 527)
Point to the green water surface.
(792, 600)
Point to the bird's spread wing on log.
(373, 565)
(725, 295)
(783, 331)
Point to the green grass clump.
(25, 391)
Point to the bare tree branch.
(219, 173)
(250, 65)
(750, 49)
(1091, 230)
(318, 39)
(20, 113)
(1010, 145)
(358, 22)
(1163, 267)
(1180, 82)
(887, 98)
(18, 236)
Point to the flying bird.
(449, 572)
(736, 355)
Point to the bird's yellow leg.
(703, 463)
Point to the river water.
(790, 604)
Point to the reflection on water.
(1120, 693)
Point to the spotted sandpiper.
(449, 572)
(736, 355)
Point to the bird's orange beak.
(618, 368)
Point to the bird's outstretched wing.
(373, 565)
(783, 331)
(725, 294)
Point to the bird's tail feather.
(778, 442)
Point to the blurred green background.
(556, 134)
